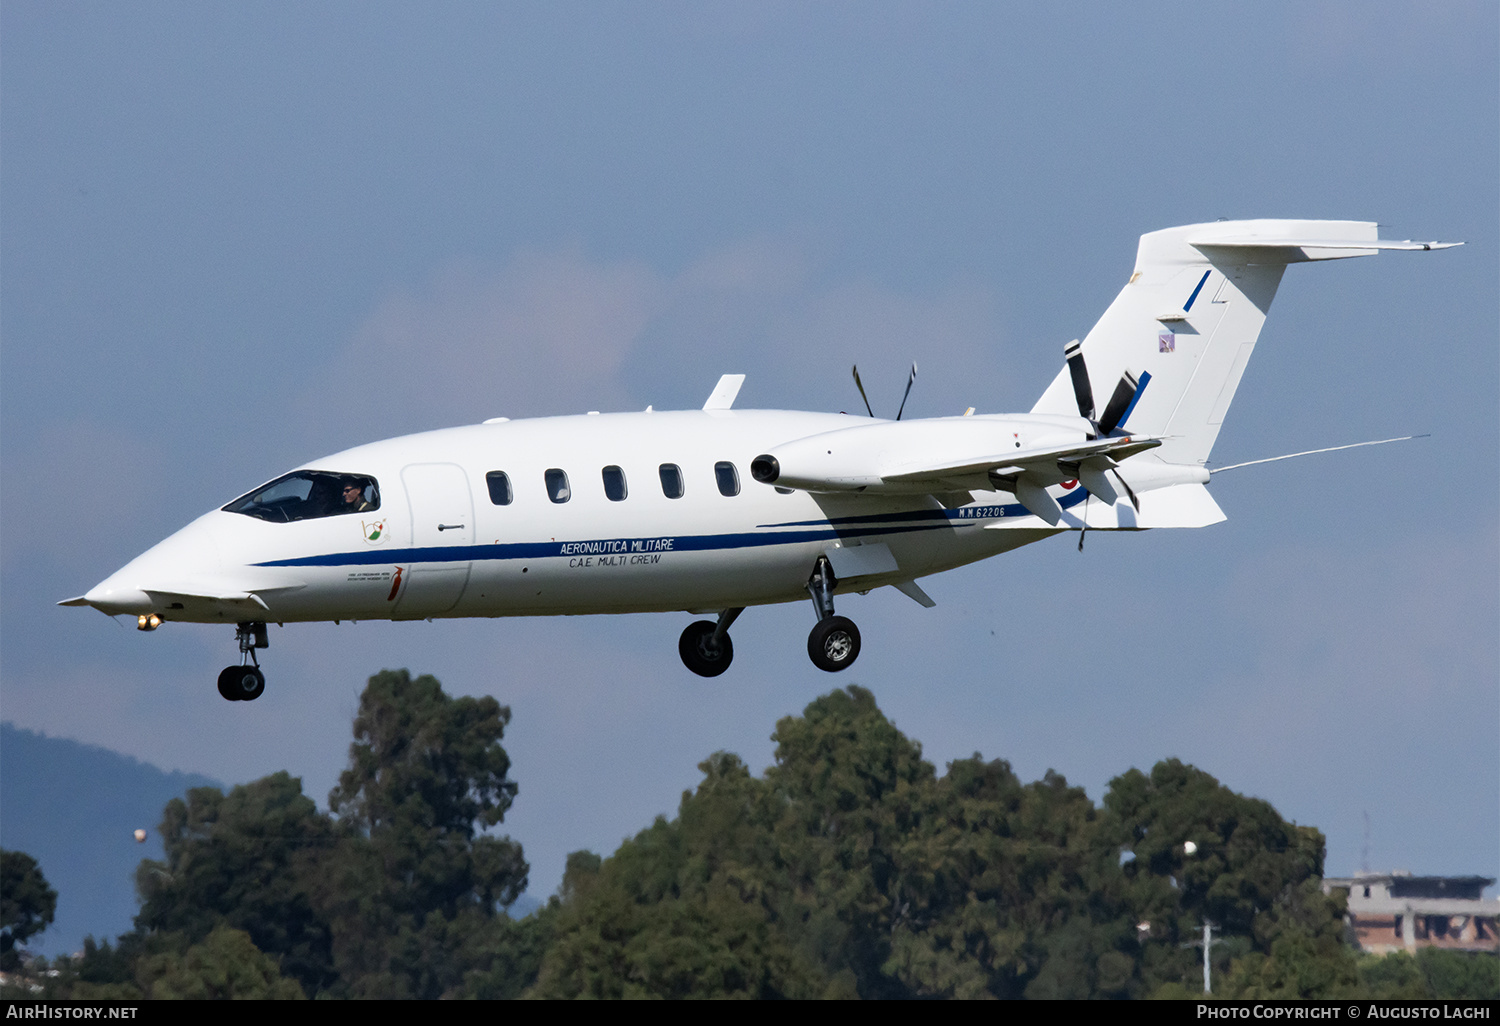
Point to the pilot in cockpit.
(354, 498)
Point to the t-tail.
(1176, 340)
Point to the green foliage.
(1460, 974)
(1252, 874)
(849, 869)
(413, 884)
(27, 903)
(248, 860)
(225, 966)
(679, 911)
(398, 893)
(852, 869)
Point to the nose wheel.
(245, 682)
(242, 683)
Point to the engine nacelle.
(861, 458)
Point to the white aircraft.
(713, 510)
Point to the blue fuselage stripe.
(829, 530)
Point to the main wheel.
(833, 644)
(698, 652)
(242, 683)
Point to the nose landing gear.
(833, 644)
(245, 682)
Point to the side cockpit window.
(309, 495)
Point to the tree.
(413, 882)
(848, 870)
(848, 788)
(27, 904)
(680, 910)
(246, 860)
(225, 966)
(250, 860)
(1201, 851)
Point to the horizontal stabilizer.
(1300, 250)
(1187, 505)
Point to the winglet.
(725, 392)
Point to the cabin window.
(671, 480)
(728, 478)
(309, 495)
(557, 486)
(499, 482)
(614, 484)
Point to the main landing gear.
(245, 682)
(833, 644)
(705, 646)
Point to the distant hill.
(74, 808)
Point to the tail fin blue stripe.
(1201, 282)
(1140, 387)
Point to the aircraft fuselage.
(439, 546)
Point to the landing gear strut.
(705, 646)
(245, 682)
(833, 644)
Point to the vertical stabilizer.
(1189, 317)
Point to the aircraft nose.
(191, 550)
(114, 596)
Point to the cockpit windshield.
(308, 495)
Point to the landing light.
(147, 622)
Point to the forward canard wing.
(245, 594)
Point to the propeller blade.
(909, 382)
(1082, 390)
(1129, 491)
(1118, 403)
(860, 385)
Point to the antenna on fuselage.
(909, 382)
(860, 385)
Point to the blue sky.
(236, 237)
